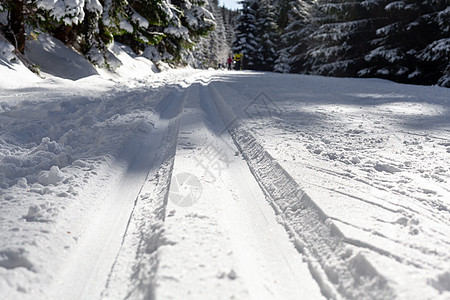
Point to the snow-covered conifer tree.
(246, 40)
(295, 25)
(40, 13)
(337, 45)
(212, 49)
(59, 17)
(90, 25)
(190, 20)
(266, 53)
(92, 42)
(229, 19)
(412, 45)
(283, 62)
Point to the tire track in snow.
(339, 271)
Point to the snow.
(387, 29)
(55, 59)
(124, 25)
(374, 162)
(369, 3)
(442, 17)
(178, 32)
(140, 20)
(14, 73)
(188, 184)
(130, 64)
(94, 6)
(396, 5)
(152, 53)
(436, 50)
(391, 55)
(71, 11)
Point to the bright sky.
(233, 4)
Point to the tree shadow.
(284, 90)
(54, 58)
(5, 63)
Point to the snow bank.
(132, 65)
(13, 72)
(54, 58)
(57, 136)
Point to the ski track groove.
(212, 131)
(341, 273)
(105, 238)
(162, 178)
(145, 233)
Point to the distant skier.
(229, 62)
(238, 59)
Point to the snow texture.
(298, 186)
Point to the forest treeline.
(161, 30)
(405, 41)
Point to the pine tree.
(190, 21)
(283, 62)
(283, 19)
(391, 55)
(210, 50)
(437, 54)
(229, 19)
(412, 45)
(246, 40)
(90, 25)
(337, 45)
(257, 35)
(57, 17)
(15, 31)
(219, 45)
(140, 23)
(295, 26)
(266, 53)
(93, 35)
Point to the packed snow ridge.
(216, 184)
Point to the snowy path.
(224, 235)
(228, 224)
(217, 233)
(213, 185)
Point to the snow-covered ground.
(372, 155)
(193, 184)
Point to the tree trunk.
(62, 33)
(17, 25)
